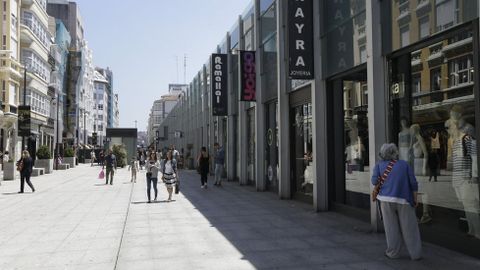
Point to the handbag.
(20, 165)
(381, 180)
(177, 187)
(101, 175)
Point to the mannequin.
(404, 140)
(419, 149)
(455, 115)
(465, 186)
(355, 150)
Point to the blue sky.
(139, 40)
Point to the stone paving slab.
(74, 221)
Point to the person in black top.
(111, 164)
(203, 161)
(25, 167)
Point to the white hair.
(389, 151)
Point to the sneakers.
(202, 186)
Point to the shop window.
(437, 136)
(302, 155)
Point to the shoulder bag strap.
(383, 177)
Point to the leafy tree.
(121, 154)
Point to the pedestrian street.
(75, 221)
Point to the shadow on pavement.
(146, 202)
(273, 233)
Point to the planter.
(70, 160)
(9, 171)
(46, 164)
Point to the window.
(38, 29)
(363, 54)
(424, 25)
(405, 36)
(445, 14)
(39, 102)
(460, 71)
(36, 65)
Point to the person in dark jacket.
(203, 161)
(219, 164)
(25, 167)
(111, 164)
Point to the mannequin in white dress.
(354, 151)
(420, 151)
(404, 140)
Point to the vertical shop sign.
(247, 76)
(300, 39)
(24, 121)
(219, 82)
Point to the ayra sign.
(300, 39)
(219, 75)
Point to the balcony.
(362, 35)
(459, 47)
(405, 15)
(9, 65)
(423, 8)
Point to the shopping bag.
(101, 175)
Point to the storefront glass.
(357, 173)
(412, 21)
(433, 117)
(302, 155)
(272, 146)
(344, 37)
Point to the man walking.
(111, 164)
(219, 163)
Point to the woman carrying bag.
(170, 174)
(396, 190)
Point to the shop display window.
(433, 122)
(301, 135)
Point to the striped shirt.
(463, 149)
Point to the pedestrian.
(25, 167)
(142, 161)
(111, 165)
(101, 158)
(6, 157)
(396, 190)
(153, 166)
(175, 152)
(219, 164)
(92, 158)
(170, 173)
(134, 168)
(203, 161)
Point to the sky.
(141, 40)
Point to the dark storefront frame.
(451, 239)
(339, 198)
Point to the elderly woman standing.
(396, 188)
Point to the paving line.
(124, 226)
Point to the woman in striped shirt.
(170, 174)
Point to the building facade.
(161, 108)
(101, 107)
(11, 76)
(383, 71)
(35, 42)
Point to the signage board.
(300, 40)
(247, 76)
(219, 84)
(24, 121)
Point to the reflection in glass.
(435, 110)
(413, 20)
(302, 149)
(357, 173)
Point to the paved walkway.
(74, 221)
